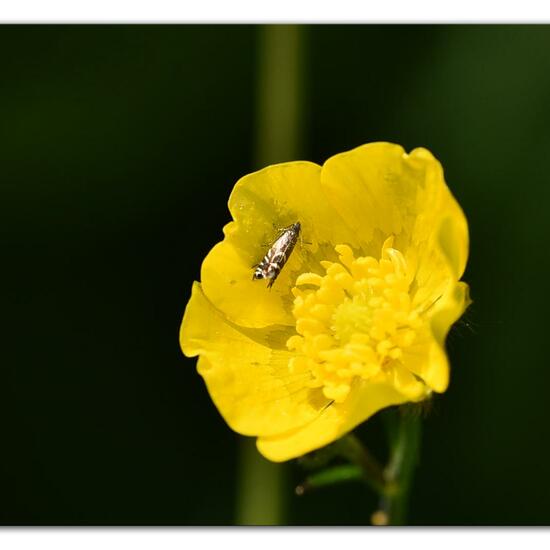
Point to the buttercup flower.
(356, 320)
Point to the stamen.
(355, 323)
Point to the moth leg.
(302, 240)
(280, 230)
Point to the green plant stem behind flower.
(405, 433)
(392, 482)
(279, 136)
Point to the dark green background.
(119, 146)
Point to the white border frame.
(279, 11)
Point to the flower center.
(354, 322)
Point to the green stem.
(278, 138)
(280, 94)
(260, 495)
(330, 476)
(353, 450)
(405, 431)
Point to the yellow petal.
(448, 311)
(447, 297)
(280, 195)
(383, 192)
(427, 357)
(375, 187)
(452, 238)
(226, 278)
(442, 256)
(247, 371)
(262, 203)
(405, 383)
(333, 422)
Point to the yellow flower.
(356, 320)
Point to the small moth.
(278, 254)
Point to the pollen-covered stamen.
(355, 323)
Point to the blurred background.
(119, 146)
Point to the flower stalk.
(405, 432)
(352, 449)
(393, 482)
